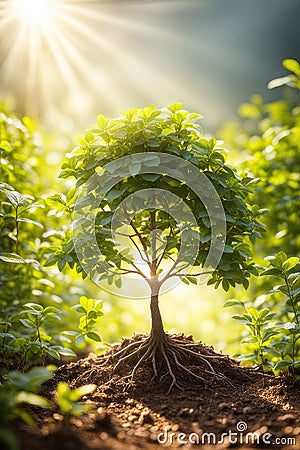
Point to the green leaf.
(102, 121)
(65, 351)
(192, 279)
(35, 306)
(225, 285)
(80, 309)
(242, 319)
(80, 339)
(32, 222)
(27, 323)
(113, 194)
(290, 263)
(94, 336)
(228, 249)
(12, 258)
(288, 326)
(283, 364)
(118, 282)
(87, 303)
(174, 107)
(85, 389)
(61, 263)
(33, 399)
(271, 271)
(51, 260)
(52, 352)
(233, 302)
(71, 196)
(277, 260)
(292, 65)
(55, 200)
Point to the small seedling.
(67, 399)
(19, 390)
(35, 317)
(274, 332)
(259, 332)
(288, 316)
(90, 311)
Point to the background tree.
(156, 238)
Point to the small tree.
(156, 200)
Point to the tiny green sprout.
(68, 399)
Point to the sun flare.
(34, 13)
(63, 58)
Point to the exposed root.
(168, 355)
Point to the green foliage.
(268, 141)
(67, 399)
(34, 317)
(90, 311)
(35, 302)
(171, 131)
(259, 333)
(16, 393)
(293, 79)
(274, 332)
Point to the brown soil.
(126, 415)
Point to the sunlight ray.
(79, 56)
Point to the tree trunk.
(157, 328)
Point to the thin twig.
(138, 249)
(191, 274)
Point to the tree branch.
(169, 274)
(142, 240)
(125, 271)
(183, 275)
(139, 271)
(146, 260)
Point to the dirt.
(233, 406)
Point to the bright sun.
(34, 13)
(66, 56)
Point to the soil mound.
(229, 406)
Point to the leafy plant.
(30, 294)
(90, 311)
(267, 143)
(16, 392)
(67, 399)
(288, 317)
(274, 334)
(259, 332)
(35, 317)
(128, 150)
